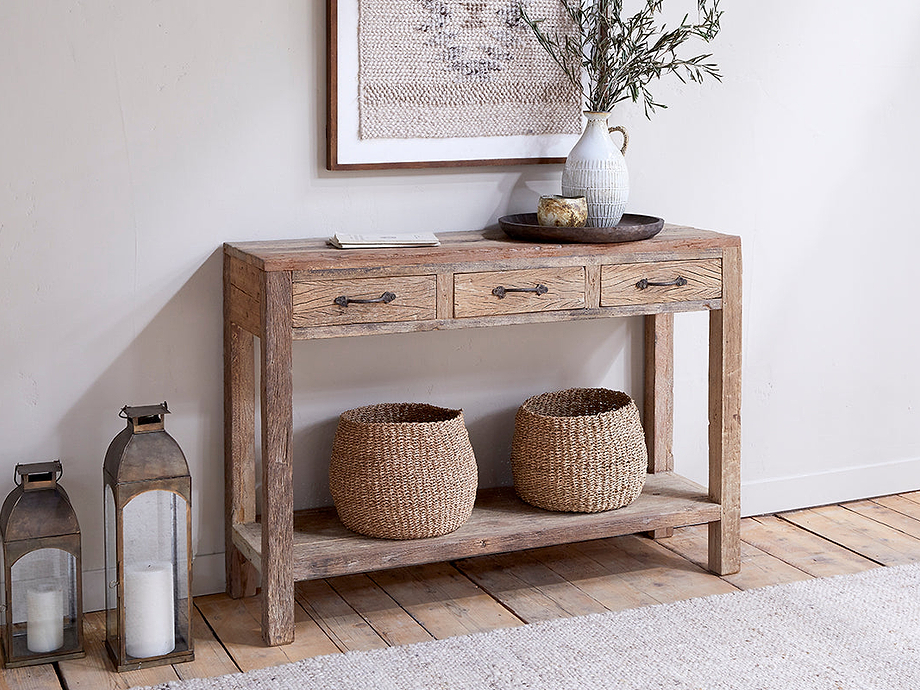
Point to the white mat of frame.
(852, 631)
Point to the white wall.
(136, 137)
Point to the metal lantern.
(42, 589)
(148, 530)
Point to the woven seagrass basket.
(579, 450)
(402, 470)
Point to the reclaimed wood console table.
(301, 289)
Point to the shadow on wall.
(176, 357)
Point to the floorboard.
(858, 533)
(528, 588)
(804, 550)
(601, 584)
(901, 504)
(42, 677)
(94, 671)
(416, 604)
(903, 515)
(911, 496)
(388, 619)
(758, 568)
(211, 658)
(335, 616)
(653, 569)
(30, 678)
(237, 625)
(444, 601)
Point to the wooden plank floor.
(440, 600)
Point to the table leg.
(725, 418)
(239, 445)
(659, 398)
(277, 440)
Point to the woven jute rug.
(852, 631)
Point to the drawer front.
(498, 292)
(662, 281)
(329, 302)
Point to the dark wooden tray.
(632, 227)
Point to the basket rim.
(350, 416)
(624, 398)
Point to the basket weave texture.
(402, 470)
(579, 450)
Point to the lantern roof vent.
(144, 418)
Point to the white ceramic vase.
(596, 170)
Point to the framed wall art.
(444, 83)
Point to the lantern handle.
(124, 411)
(17, 475)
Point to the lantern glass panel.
(111, 571)
(156, 586)
(44, 601)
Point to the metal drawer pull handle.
(644, 283)
(385, 298)
(501, 290)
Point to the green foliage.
(622, 55)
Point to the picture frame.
(346, 151)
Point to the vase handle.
(621, 130)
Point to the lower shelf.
(501, 522)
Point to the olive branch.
(620, 55)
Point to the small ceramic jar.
(562, 211)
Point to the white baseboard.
(207, 578)
(822, 488)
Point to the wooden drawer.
(315, 300)
(684, 281)
(495, 293)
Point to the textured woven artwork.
(459, 68)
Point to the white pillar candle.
(44, 619)
(149, 610)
